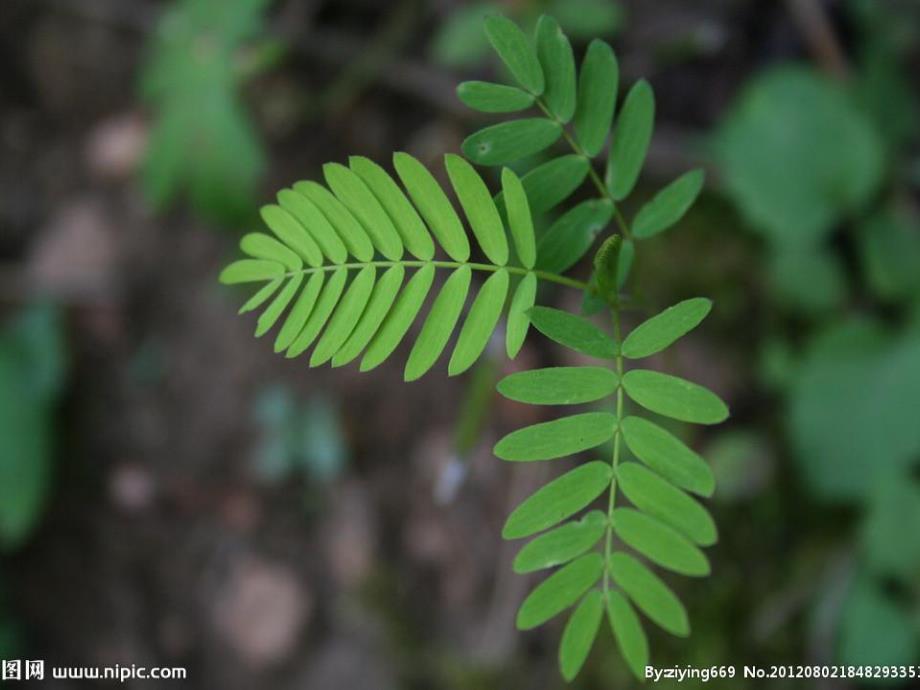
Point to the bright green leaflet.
(662, 330)
(580, 631)
(493, 98)
(557, 438)
(518, 320)
(562, 544)
(631, 138)
(559, 385)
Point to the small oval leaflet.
(659, 543)
(561, 498)
(559, 385)
(480, 210)
(597, 92)
(674, 397)
(579, 634)
(493, 98)
(631, 138)
(508, 141)
(669, 205)
(650, 594)
(555, 55)
(562, 544)
(518, 320)
(519, 218)
(655, 496)
(560, 591)
(667, 455)
(663, 329)
(557, 438)
(439, 325)
(515, 50)
(480, 322)
(628, 632)
(573, 331)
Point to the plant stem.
(517, 270)
(617, 434)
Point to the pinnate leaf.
(560, 591)
(663, 329)
(558, 500)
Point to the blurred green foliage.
(32, 371)
(460, 41)
(297, 438)
(203, 143)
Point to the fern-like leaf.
(333, 270)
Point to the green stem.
(516, 270)
(617, 434)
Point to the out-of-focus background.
(172, 493)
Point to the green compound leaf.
(571, 236)
(560, 591)
(434, 206)
(515, 50)
(674, 397)
(518, 320)
(493, 98)
(647, 591)
(659, 543)
(597, 93)
(519, 218)
(557, 438)
(669, 205)
(408, 223)
(480, 210)
(562, 544)
(573, 331)
(653, 495)
(440, 323)
(558, 500)
(555, 55)
(397, 322)
(480, 323)
(580, 633)
(631, 138)
(509, 141)
(628, 632)
(559, 385)
(551, 183)
(665, 328)
(667, 455)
